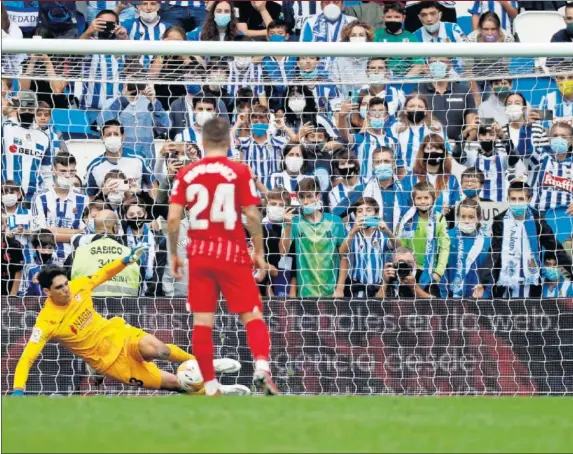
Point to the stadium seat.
(537, 26)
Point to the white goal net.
(430, 186)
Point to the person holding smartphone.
(363, 251)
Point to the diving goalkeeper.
(111, 347)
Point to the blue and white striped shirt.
(26, 157)
(394, 97)
(140, 31)
(366, 143)
(290, 183)
(55, 139)
(448, 33)
(250, 77)
(186, 4)
(494, 168)
(547, 195)
(193, 135)
(449, 196)
(410, 140)
(480, 7)
(264, 158)
(326, 97)
(366, 257)
(561, 108)
(101, 74)
(48, 210)
(563, 289)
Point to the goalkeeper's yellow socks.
(177, 355)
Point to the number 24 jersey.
(215, 191)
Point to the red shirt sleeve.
(178, 191)
(247, 189)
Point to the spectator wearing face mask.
(524, 134)
(519, 236)
(262, 151)
(293, 165)
(560, 101)
(552, 181)
(345, 177)
(105, 247)
(60, 209)
(43, 122)
(433, 30)
(494, 105)
(565, 35)
(554, 284)
(414, 123)
(102, 67)
(116, 156)
(313, 230)
(472, 183)
(26, 151)
(139, 229)
(17, 217)
(301, 111)
(488, 154)
(434, 165)
(221, 24)
(244, 72)
(278, 201)
(469, 252)
(394, 32)
(363, 252)
(148, 27)
(375, 133)
(141, 116)
(347, 72)
(424, 230)
(204, 109)
(43, 249)
(384, 187)
(450, 102)
(326, 26)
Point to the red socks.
(258, 339)
(202, 343)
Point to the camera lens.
(403, 269)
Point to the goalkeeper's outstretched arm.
(117, 266)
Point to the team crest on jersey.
(17, 141)
(74, 329)
(28, 136)
(375, 244)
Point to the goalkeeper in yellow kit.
(111, 347)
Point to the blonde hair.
(347, 30)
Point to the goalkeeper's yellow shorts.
(130, 368)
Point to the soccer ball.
(189, 376)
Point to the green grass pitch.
(287, 424)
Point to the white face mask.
(332, 12)
(242, 62)
(514, 112)
(112, 144)
(376, 78)
(275, 213)
(148, 18)
(9, 200)
(203, 117)
(294, 163)
(64, 182)
(432, 28)
(467, 227)
(297, 105)
(358, 39)
(115, 198)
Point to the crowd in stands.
(368, 189)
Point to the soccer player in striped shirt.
(61, 208)
(262, 151)
(376, 135)
(363, 252)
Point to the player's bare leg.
(259, 343)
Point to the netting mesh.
(369, 132)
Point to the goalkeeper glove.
(18, 392)
(135, 254)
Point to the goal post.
(356, 343)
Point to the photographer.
(399, 279)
